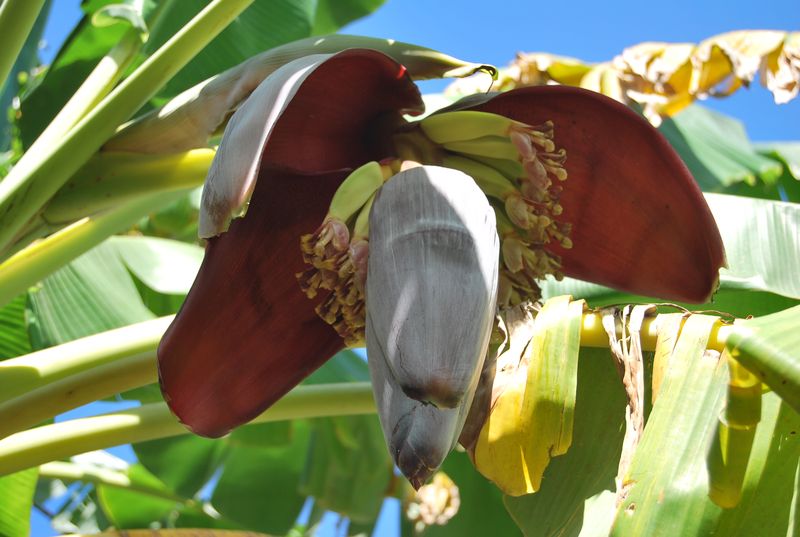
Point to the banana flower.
(580, 186)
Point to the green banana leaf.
(147, 499)
(118, 283)
(788, 153)
(14, 339)
(716, 149)
(165, 266)
(16, 500)
(92, 294)
(348, 469)
(183, 463)
(668, 470)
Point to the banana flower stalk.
(579, 185)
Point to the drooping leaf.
(186, 463)
(716, 149)
(16, 500)
(668, 472)
(762, 240)
(14, 339)
(788, 186)
(128, 509)
(348, 468)
(145, 501)
(788, 152)
(92, 294)
(258, 487)
(182, 463)
(768, 347)
(165, 266)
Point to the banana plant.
(335, 214)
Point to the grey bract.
(431, 299)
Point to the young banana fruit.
(430, 295)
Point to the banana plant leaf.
(14, 339)
(573, 483)
(348, 469)
(786, 152)
(121, 282)
(146, 499)
(716, 149)
(92, 294)
(668, 469)
(16, 500)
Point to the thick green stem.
(37, 176)
(33, 263)
(67, 471)
(74, 360)
(148, 422)
(16, 20)
(36, 406)
(96, 86)
(111, 178)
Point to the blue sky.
(493, 31)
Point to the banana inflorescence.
(519, 166)
(453, 227)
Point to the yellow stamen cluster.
(526, 258)
(343, 274)
(337, 253)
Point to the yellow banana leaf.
(667, 77)
(532, 418)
